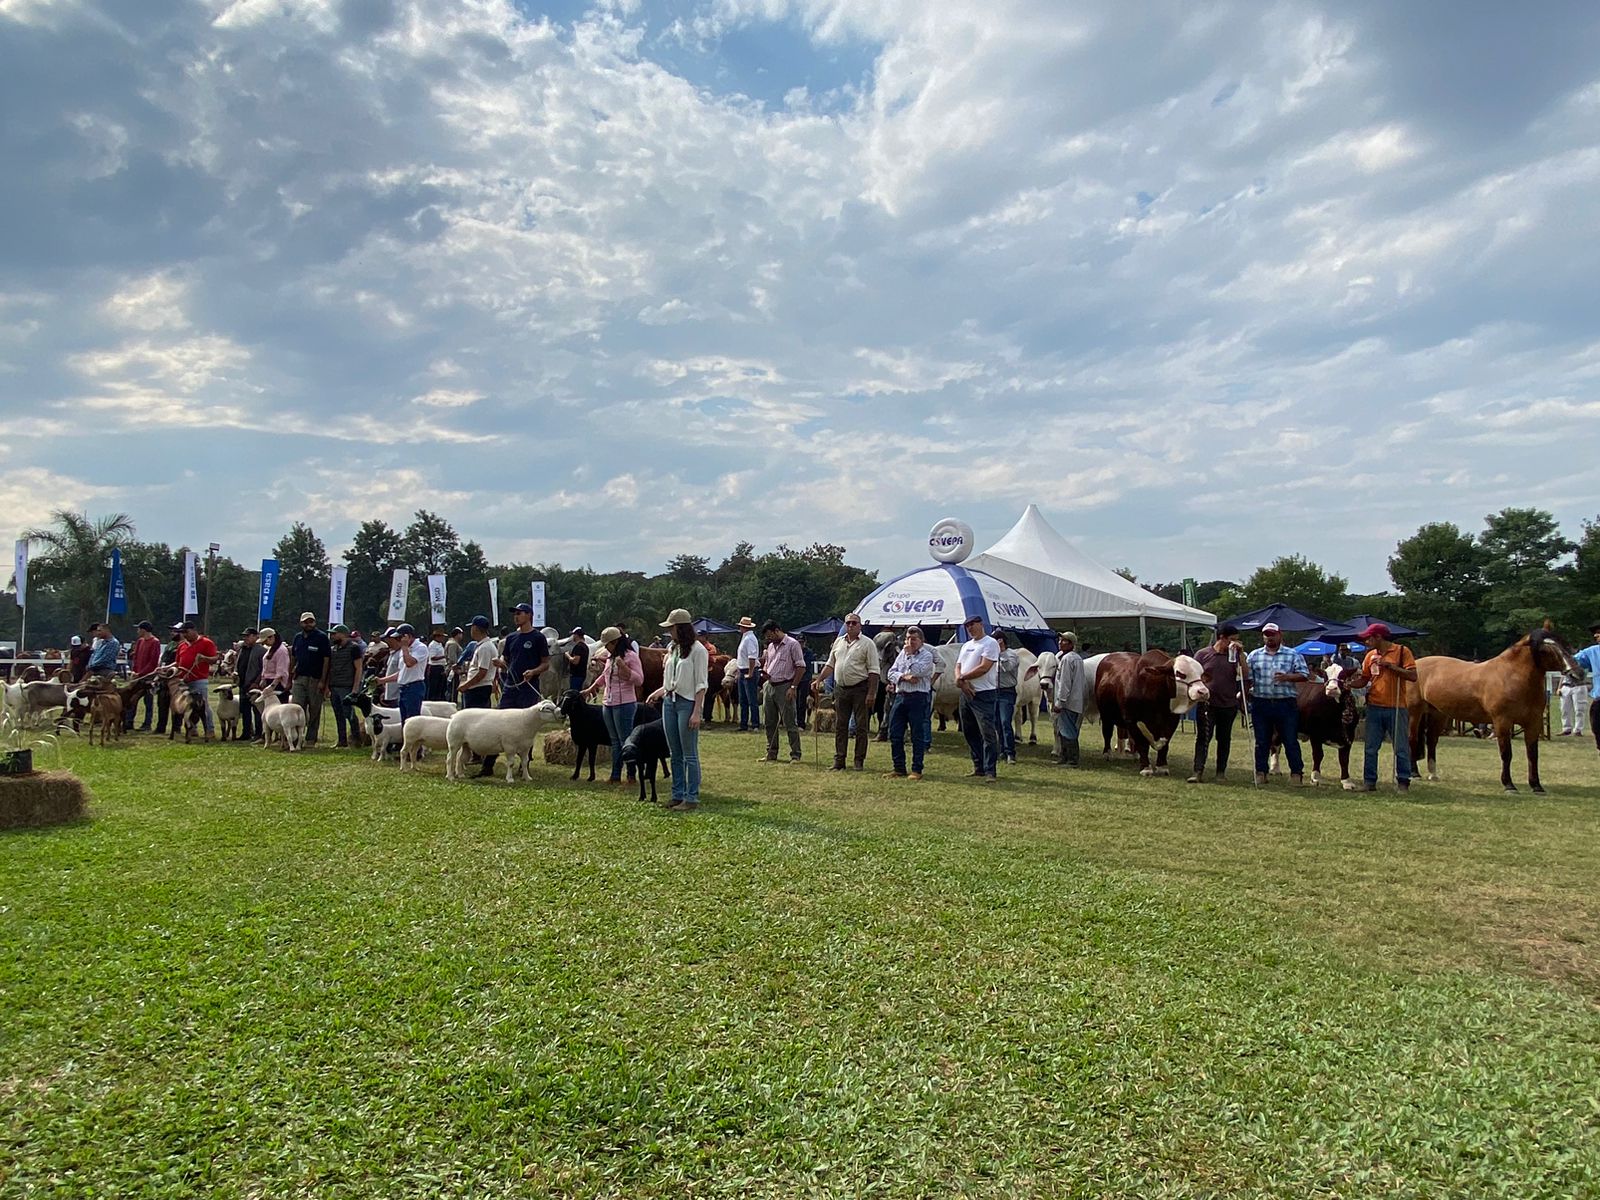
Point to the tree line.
(1474, 593)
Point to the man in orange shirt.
(1387, 669)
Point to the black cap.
(188, 625)
(147, 625)
(457, 630)
(403, 629)
(1227, 629)
(480, 622)
(251, 632)
(523, 607)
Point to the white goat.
(432, 732)
(507, 731)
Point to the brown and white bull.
(1145, 695)
(1327, 718)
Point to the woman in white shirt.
(682, 690)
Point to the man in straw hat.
(747, 662)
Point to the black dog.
(587, 727)
(645, 747)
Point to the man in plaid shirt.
(1274, 701)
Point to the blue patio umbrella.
(707, 625)
(1319, 649)
(827, 627)
(1290, 620)
(1350, 631)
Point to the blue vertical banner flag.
(269, 589)
(117, 601)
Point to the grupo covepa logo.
(950, 541)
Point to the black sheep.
(587, 727)
(644, 748)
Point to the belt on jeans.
(780, 682)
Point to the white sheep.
(383, 727)
(439, 708)
(432, 732)
(507, 731)
(286, 722)
(227, 711)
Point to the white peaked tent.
(1067, 584)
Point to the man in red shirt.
(196, 653)
(143, 657)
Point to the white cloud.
(527, 269)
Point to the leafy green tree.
(1521, 549)
(76, 551)
(373, 554)
(303, 572)
(691, 568)
(1439, 571)
(1293, 580)
(429, 544)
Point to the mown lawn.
(255, 974)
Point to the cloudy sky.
(608, 282)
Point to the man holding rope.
(523, 658)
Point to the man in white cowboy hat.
(748, 664)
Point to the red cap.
(1376, 630)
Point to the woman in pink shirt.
(275, 666)
(620, 679)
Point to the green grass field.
(255, 974)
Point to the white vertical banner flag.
(336, 595)
(397, 595)
(436, 599)
(22, 572)
(494, 603)
(538, 604)
(191, 594)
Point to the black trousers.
(1211, 719)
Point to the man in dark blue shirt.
(310, 656)
(525, 653)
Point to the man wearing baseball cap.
(477, 683)
(1387, 669)
(1274, 670)
(346, 665)
(310, 653)
(523, 657)
(1589, 657)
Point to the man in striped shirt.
(1274, 670)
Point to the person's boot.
(1070, 747)
(1198, 775)
(1297, 780)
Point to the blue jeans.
(200, 689)
(979, 727)
(1005, 717)
(1067, 723)
(1387, 723)
(1282, 716)
(619, 724)
(411, 698)
(913, 711)
(683, 744)
(749, 701)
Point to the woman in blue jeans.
(682, 692)
(620, 680)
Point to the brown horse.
(1504, 692)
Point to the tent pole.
(1144, 640)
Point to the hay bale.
(42, 798)
(559, 751)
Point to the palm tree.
(75, 555)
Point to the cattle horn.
(1150, 737)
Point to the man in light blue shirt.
(103, 659)
(911, 681)
(1274, 672)
(1589, 656)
